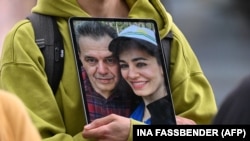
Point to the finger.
(100, 122)
(97, 133)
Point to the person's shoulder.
(19, 35)
(22, 25)
(19, 32)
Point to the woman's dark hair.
(124, 43)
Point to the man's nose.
(102, 68)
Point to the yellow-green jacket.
(60, 117)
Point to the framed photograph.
(122, 69)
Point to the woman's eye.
(123, 66)
(140, 65)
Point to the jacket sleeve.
(192, 94)
(133, 122)
(57, 117)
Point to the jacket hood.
(152, 9)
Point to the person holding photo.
(60, 116)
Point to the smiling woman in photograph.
(141, 67)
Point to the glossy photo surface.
(121, 63)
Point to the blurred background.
(217, 30)
(12, 11)
(219, 33)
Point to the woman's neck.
(105, 8)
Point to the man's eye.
(111, 61)
(91, 61)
